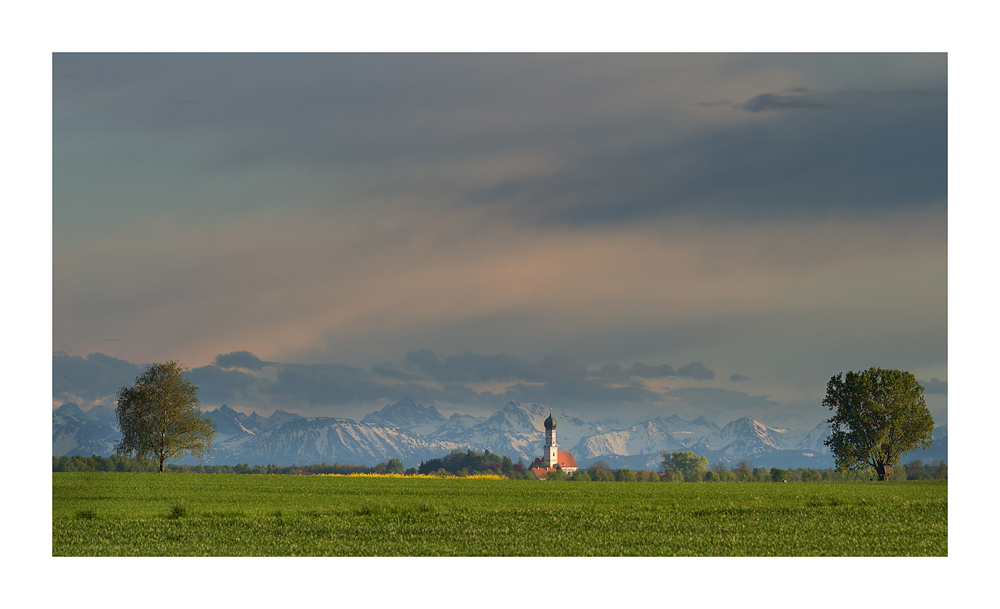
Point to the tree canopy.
(879, 415)
(394, 466)
(686, 463)
(160, 417)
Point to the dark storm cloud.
(582, 394)
(469, 367)
(337, 385)
(868, 157)
(697, 371)
(325, 384)
(90, 378)
(611, 372)
(100, 376)
(805, 99)
(387, 369)
(239, 359)
(216, 385)
(651, 372)
(935, 386)
(770, 101)
(559, 367)
(738, 377)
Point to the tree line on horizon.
(678, 467)
(118, 463)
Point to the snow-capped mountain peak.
(751, 434)
(405, 413)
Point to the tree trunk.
(884, 472)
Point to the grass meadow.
(140, 514)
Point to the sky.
(623, 236)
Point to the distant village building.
(552, 458)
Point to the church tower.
(552, 458)
(551, 451)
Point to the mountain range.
(415, 433)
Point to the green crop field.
(123, 514)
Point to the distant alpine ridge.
(414, 433)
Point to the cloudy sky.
(620, 235)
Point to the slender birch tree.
(160, 416)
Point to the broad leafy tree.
(601, 475)
(780, 475)
(625, 475)
(427, 467)
(394, 466)
(879, 415)
(598, 465)
(687, 464)
(743, 470)
(160, 418)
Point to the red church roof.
(566, 459)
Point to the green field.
(123, 514)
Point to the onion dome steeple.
(550, 423)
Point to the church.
(551, 455)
